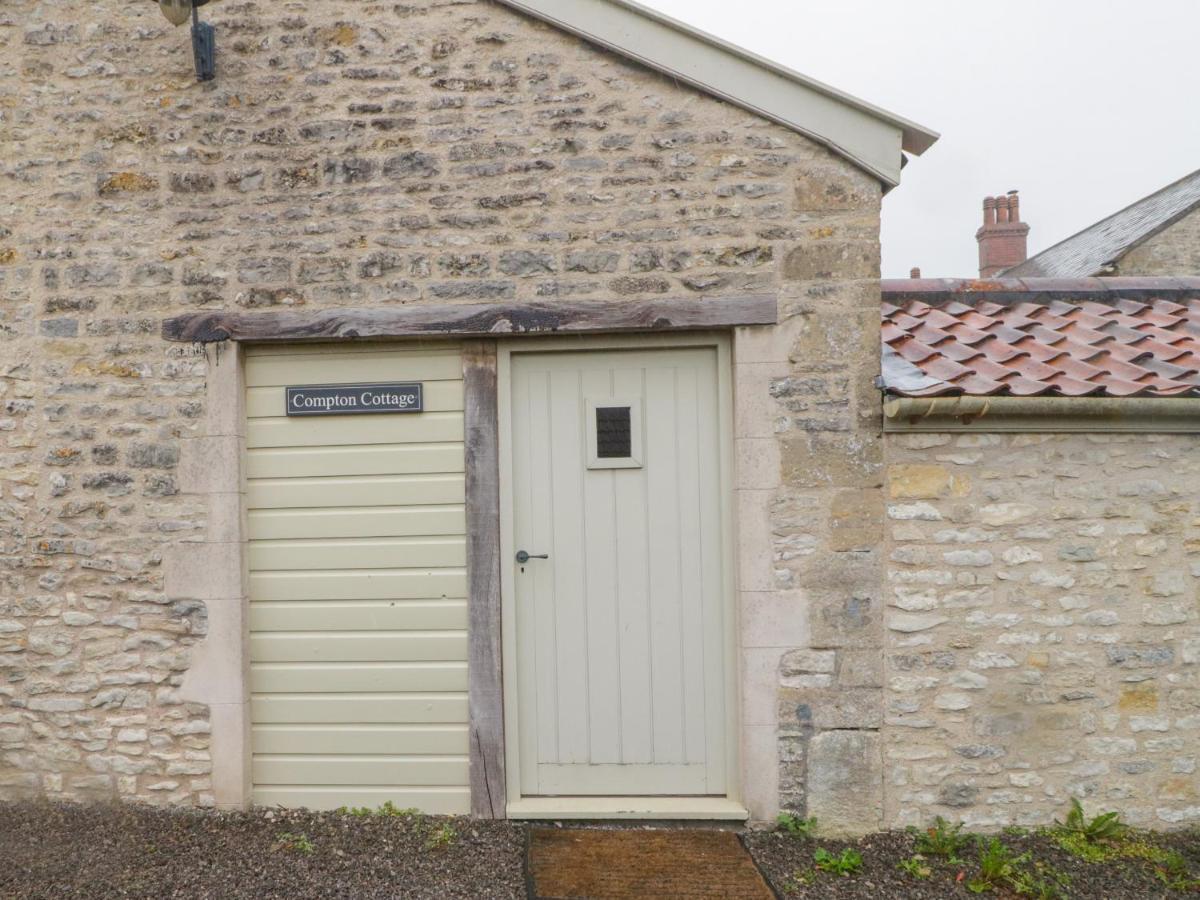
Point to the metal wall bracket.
(204, 48)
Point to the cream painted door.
(619, 631)
(358, 611)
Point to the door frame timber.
(515, 805)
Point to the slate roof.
(1092, 250)
(1108, 337)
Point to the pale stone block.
(755, 411)
(220, 668)
(845, 781)
(764, 343)
(820, 459)
(211, 465)
(997, 514)
(860, 668)
(829, 708)
(226, 518)
(229, 745)
(760, 772)
(912, 481)
(912, 622)
(755, 553)
(808, 661)
(757, 464)
(1191, 652)
(774, 619)
(203, 571)
(225, 394)
(855, 520)
(760, 685)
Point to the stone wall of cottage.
(1173, 251)
(353, 154)
(1043, 636)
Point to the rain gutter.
(1112, 415)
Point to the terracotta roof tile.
(1085, 337)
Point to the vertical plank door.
(620, 664)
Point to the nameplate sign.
(354, 399)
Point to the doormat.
(614, 864)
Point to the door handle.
(523, 557)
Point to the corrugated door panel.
(356, 490)
(358, 521)
(376, 459)
(385, 615)
(375, 740)
(358, 584)
(358, 641)
(337, 366)
(358, 553)
(330, 431)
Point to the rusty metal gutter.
(1142, 415)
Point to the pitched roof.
(1110, 337)
(870, 137)
(1092, 250)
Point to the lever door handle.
(523, 557)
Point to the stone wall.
(362, 154)
(1173, 251)
(1043, 639)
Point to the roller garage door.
(358, 616)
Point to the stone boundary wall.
(1043, 633)
(434, 151)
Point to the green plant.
(442, 836)
(390, 809)
(1171, 869)
(796, 826)
(916, 866)
(943, 840)
(1167, 866)
(998, 866)
(845, 864)
(1079, 846)
(297, 842)
(1104, 827)
(387, 809)
(1042, 883)
(801, 878)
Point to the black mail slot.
(614, 432)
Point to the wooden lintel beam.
(474, 320)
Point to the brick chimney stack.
(1002, 237)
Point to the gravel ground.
(787, 861)
(60, 850)
(98, 851)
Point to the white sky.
(1083, 105)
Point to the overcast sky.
(1083, 105)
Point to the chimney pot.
(914, 272)
(1002, 239)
